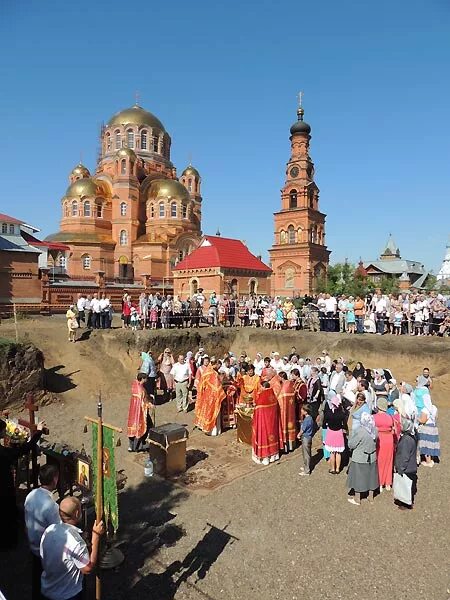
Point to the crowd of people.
(381, 428)
(403, 314)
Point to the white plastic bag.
(403, 488)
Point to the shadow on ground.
(57, 382)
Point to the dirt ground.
(271, 533)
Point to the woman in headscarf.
(380, 385)
(359, 371)
(405, 461)
(385, 444)
(358, 409)
(334, 420)
(72, 323)
(362, 472)
(429, 446)
(258, 363)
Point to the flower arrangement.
(16, 434)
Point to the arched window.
(123, 167)
(180, 255)
(62, 261)
(313, 235)
(4, 228)
(108, 142)
(66, 209)
(173, 210)
(130, 138)
(299, 235)
(74, 208)
(118, 140)
(87, 209)
(98, 210)
(123, 209)
(144, 137)
(291, 234)
(283, 237)
(11, 229)
(190, 184)
(289, 278)
(152, 211)
(161, 210)
(155, 143)
(184, 211)
(293, 199)
(311, 201)
(123, 238)
(194, 286)
(252, 287)
(86, 262)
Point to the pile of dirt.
(21, 371)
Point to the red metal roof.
(215, 251)
(35, 242)
(8, 219)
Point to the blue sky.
(223, 78)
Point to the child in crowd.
(398, 318)
(306, 436)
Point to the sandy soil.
(270, 533)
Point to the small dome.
(126, 152)
(80, 171)
(167, 188)
(300, 126)
(136, 115)
(84, 187)
(190, 170)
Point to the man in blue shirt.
(148, 367)
(306, 436)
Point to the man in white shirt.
(88, 311)
(65, 556)
(40, 512)
(104, 311)
(322, 306)
(330, 309)
(342, 306)
(287, 366)
(350, 387)
(81, 302)
(182, 376)
(96, 310)
(380, 306)
(337, 379)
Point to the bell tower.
(299, 256)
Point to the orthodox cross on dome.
(137, 98)
(300, 100)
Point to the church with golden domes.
(133, 218)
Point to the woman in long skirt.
(429, 446)
(362, 472)
(385, 445)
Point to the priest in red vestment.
(139, 421)
(210, 395)
(288, 416)
(266, 432)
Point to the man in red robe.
(288, 417)
(210, 395)
(266, 432)
(139, 421)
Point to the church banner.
(110, 500)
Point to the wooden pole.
(99, 499)
(15, 322)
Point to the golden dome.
(126, 152)
(136, 116)
(85, 187)
(190, 170)
(167, 188)
(80, 171)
